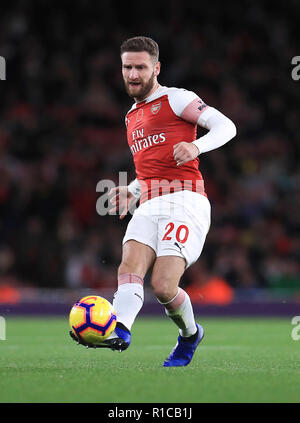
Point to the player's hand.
(121, 200)
(184, 152)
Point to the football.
(92, 319)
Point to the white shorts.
(172, 225)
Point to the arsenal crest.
(155, 108)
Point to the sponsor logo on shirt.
(141, 141)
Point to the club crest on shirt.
(139, 115)
(155, 108)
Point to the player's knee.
(131, 266)
(163, 291)
(127, 267)
(136, 258)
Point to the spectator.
(62, 130)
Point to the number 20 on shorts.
(182, 233)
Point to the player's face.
(139, 74)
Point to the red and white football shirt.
(154, 126)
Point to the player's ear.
(157, 69)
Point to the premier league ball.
(92, 319)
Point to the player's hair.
(141, 43)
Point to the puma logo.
(180, 247)
(138, 296)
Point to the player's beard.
(145, 88)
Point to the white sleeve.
(190, 107)
(135, 188)
(179, 99)
(221, 130)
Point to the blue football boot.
(184, 350)
(119, 340)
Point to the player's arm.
(135, 188)
(220, 130)
(123, 197)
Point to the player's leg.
(137, 258)
(166, 275)
(138, 255)
(181, 237)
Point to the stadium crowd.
(62, 130)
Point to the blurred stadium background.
(62, 130)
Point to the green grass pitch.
(239, 360)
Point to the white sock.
(180, 310)
(128, 301)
